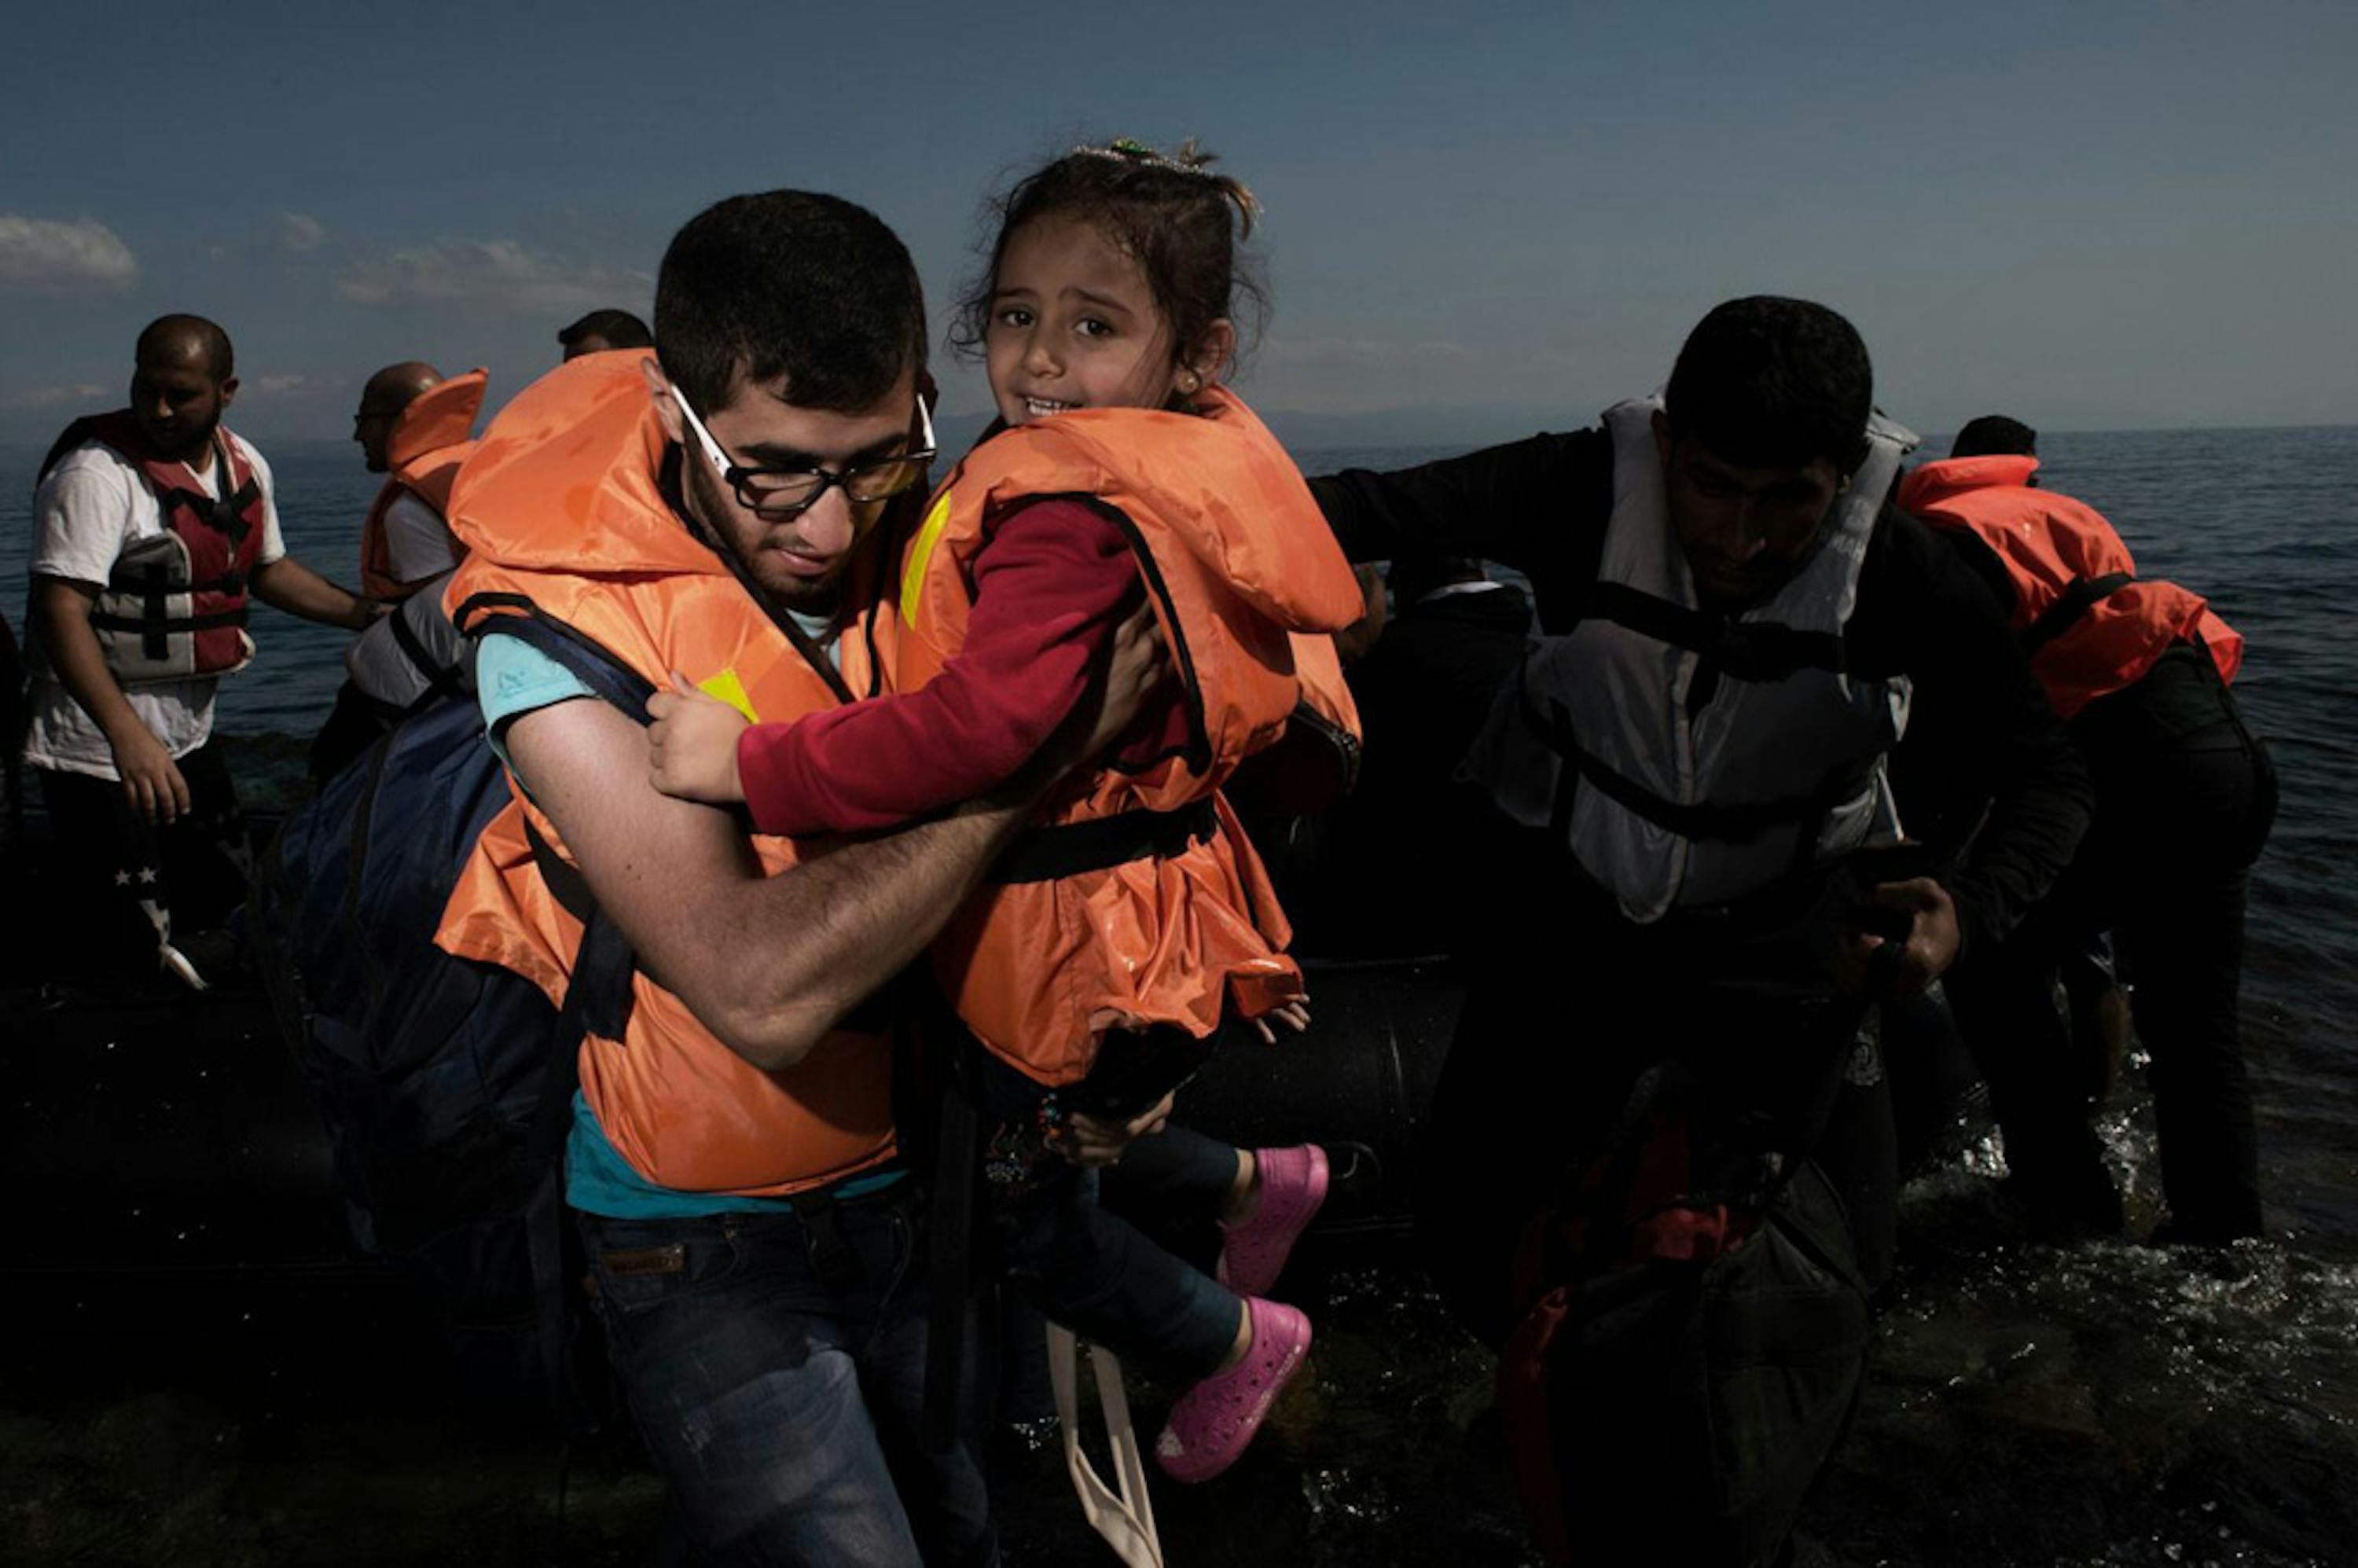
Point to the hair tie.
(1130, 150)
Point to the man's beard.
(708, 502)
(186, 448)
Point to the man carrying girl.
(1119, 940)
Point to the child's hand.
(1294, 1015)
(692, 745)
(1092, 1140)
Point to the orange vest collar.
(1931, 483)
(438, 417)
(566, 479)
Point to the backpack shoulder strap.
(599, 998)
(606, 676)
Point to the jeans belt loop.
(831, 1257)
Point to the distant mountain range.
(25, 434)
(1463, 427)
(1387, 428)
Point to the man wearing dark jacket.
(2140, 669)
(1406, 850)
(1701, 856)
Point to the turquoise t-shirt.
(513, 678)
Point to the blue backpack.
(446, 1084)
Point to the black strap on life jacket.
(544, 1231)
(2082, 595)
(1198, 751)
(1069, 849)
(441, 679)
(225, 514)
(1734, 823)
(155, 623)
(599, 994)
(1755, 651)
(152, 583)
(606, 677)
(953, 1197)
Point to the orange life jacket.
(426, 446)
(2093, 627)
(563, 515)
(1171, 919)
(175, 604)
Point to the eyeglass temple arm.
(712, 452)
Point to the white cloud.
(52, 396)
(42, 252)
(500, 274)
(277, 385)
(297, 231)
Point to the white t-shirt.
(94, 505)
(416, 540)
(380, 663)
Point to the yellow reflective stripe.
(730, 690)
(913, 577)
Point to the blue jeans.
(775, 1363)
(1082, 1266)
(1177, 1171)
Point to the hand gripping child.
(1120, 939)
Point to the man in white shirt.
(154, 524)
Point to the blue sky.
(2095, 216)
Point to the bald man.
(155, 526)
(388, 391)
(417, 442)
(404, 544)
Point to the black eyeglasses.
(776, 494)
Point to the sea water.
(2101, 1403)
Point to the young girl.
(1120, 937)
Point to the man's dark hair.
(1771, 383)
(174, 337)
(795, 284)
(1995, 435)
(615, 329)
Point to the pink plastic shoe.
(1293, 1186)
(1214, 1421)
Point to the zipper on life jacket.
(1347, 745)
